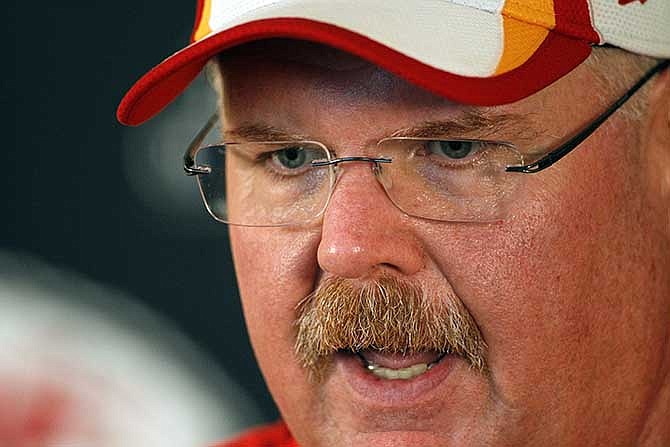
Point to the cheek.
(276, 268)
(547, 285)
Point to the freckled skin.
(571, 291)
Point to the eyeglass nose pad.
(383, 179)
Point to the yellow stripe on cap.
(525, 26)
(203, 27)
(538, 12)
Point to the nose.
(362, 230)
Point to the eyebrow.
(262, 132)
(475, 123)
(471, 123)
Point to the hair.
(214, 77)
(617, 70)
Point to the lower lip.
(400, 393)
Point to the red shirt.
(273, 435)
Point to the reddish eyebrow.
(472, 124)
(262, 132)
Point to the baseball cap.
(479, 52)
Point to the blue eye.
(451, 149)
(293, 160)
(291, 157)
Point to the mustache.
(386, 314)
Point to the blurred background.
(105, 245)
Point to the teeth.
(402, 373)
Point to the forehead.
(289, 50)
(319, 92)
(311, 65)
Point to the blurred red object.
(39, 414)
(85, 366)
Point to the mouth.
(398, 366)
(394, 380)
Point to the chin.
(399, 439)
(443, 406)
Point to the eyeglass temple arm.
(189, 161)
(564, 149)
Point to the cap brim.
(459, 68)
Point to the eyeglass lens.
(275, 184)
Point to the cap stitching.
(641, 39)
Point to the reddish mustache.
(385, 314)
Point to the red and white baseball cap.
(481, 52)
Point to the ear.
(656, 143)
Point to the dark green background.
(66, 198)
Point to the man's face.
(570, 290)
